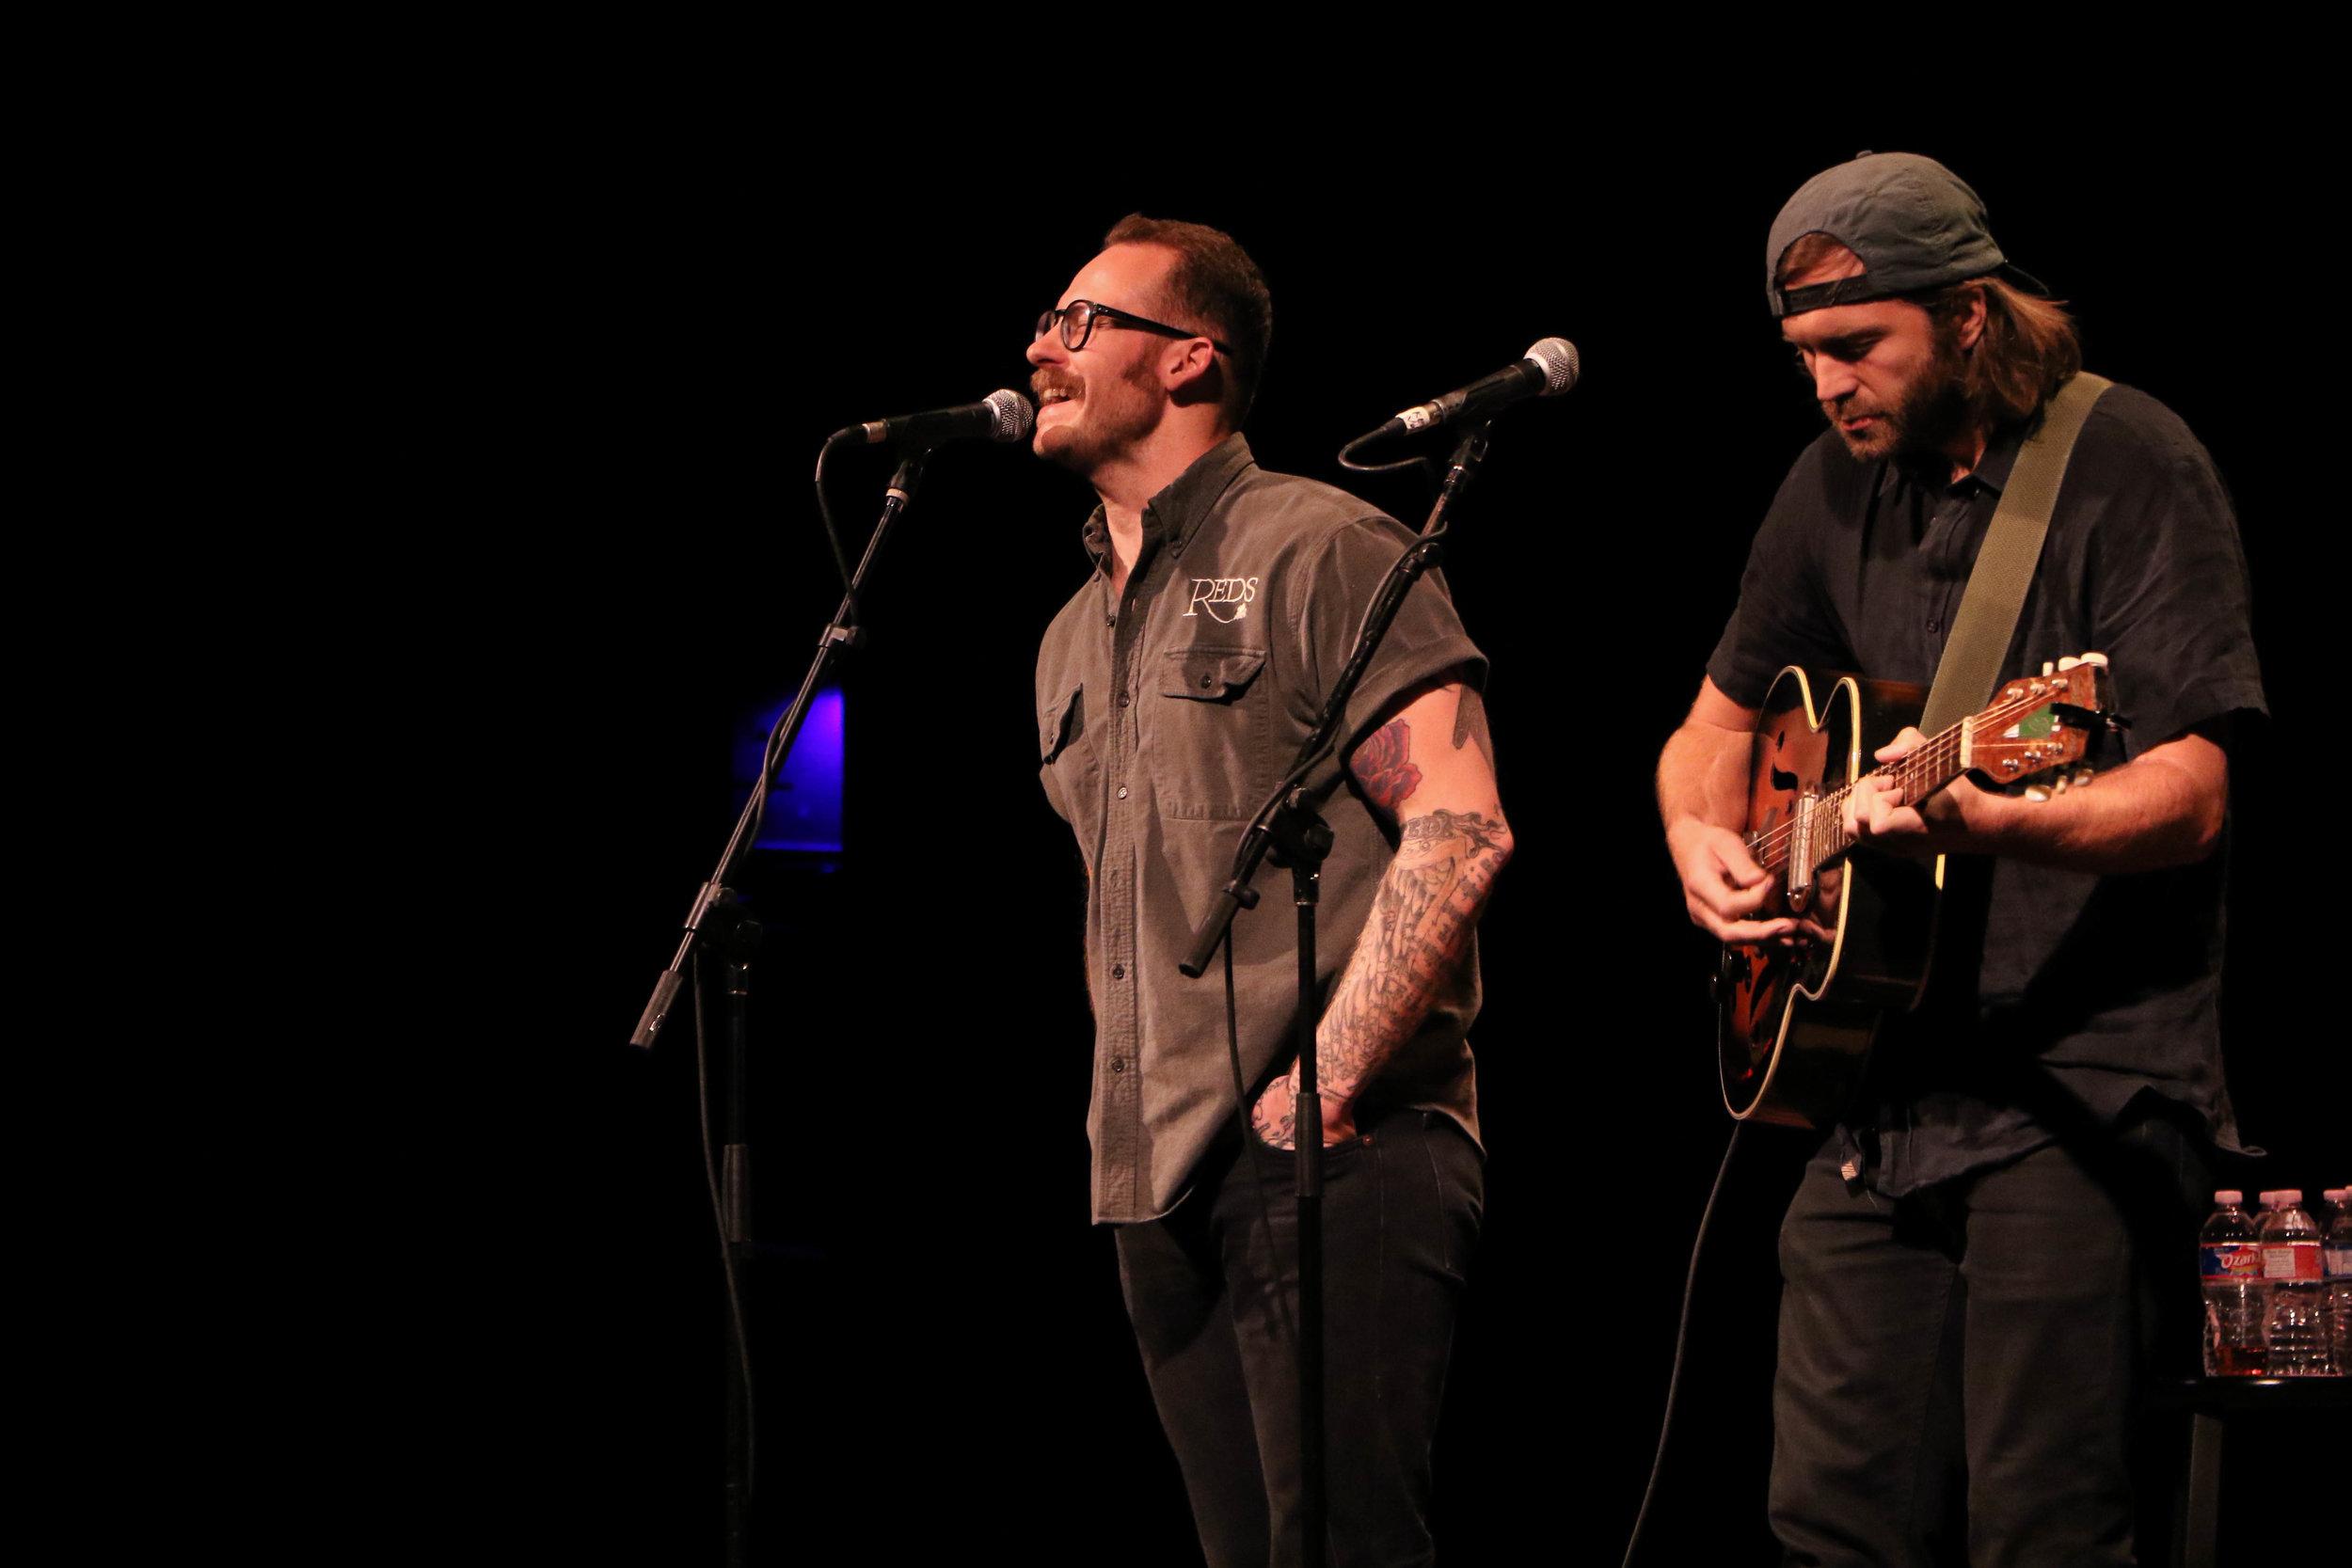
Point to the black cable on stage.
(832, 533)
(1682, 1336)
(726, 1253)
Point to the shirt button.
(1207, 681)
(1122, 699)
(1123, 792)
(1119, 1064)
(1935, 625)
(1119, 972)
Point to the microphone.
(1549, 369)
(1004, 415)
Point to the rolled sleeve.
(1427, 639)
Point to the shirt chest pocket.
(1211, 737)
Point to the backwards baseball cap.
(1915, 224)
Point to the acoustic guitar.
(1795, 1020)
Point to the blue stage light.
(804, 807)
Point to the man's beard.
(1107, 424)
(1929, 419)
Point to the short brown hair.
(1215, 281)
(2030, 347)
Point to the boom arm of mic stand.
(1237, 894)
(840, 632)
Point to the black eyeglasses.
(1079, 317)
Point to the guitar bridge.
(1801, 852)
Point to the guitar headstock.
(2039, 726)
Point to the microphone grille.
(1556, 357)
(1016, 416)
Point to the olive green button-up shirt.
(1164, 719)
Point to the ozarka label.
(2241, 1260)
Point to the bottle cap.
(2292, 1195)
(2270, 1199)
(2228, 1196)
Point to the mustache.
(1040, 383)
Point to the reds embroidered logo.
(1228, 598)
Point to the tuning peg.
(2099, 659)
(2068, 662)
(2035, 792)
(2059, 786)
(2047, 668)
(2082, 776)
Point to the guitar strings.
(1770, 848)
(1942, 748)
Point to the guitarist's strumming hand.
(1702, 799)
(1723, 888)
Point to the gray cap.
(1915, 223)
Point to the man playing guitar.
(1989, 1246)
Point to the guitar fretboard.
(1821, 825)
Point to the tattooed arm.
(1431, 768)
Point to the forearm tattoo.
(1412, 948)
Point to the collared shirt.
(1164, 719)
(2099, 988)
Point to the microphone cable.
(726, 1251)
(1683, 1339)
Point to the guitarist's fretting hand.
(1876, 814)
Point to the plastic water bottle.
(2339, 1259)
(2295, 1338)
(2233, 1268)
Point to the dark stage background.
(943, 1361)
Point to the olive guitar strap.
(1995, 595)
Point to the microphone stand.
(718, 920)
(1288, 827)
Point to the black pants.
(1958, 1367)
(1401, 1209)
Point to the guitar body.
(1795, 1022)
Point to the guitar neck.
(1932, 765)
(2026, 732)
